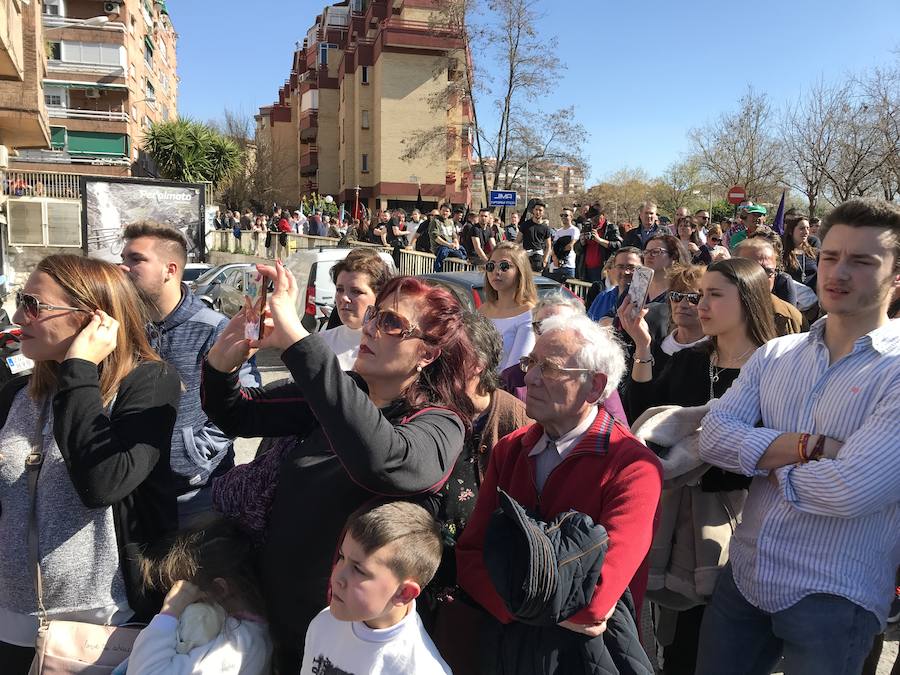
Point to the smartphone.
(254, 288)
(637, 291)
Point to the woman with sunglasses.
(84, 455)
(392, 428)
(510, 295)
(735, 311)
(675, 324)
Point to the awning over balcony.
(69, 84)
(149, 43)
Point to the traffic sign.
(503, 198)
(736, 195)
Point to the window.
(148, 55)
(55, 97)
(54, 8)
(365, 163)
(364, 74)
(42, 222)
(365, 119)
(54, 51)
(165, 114)
(134, 112)
(151, 92)
(162, 51)
(132, 25)
(93, 53)
(323, 52)
(132, 72)
(57, 138)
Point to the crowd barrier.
(411, 262)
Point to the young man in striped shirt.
(812, 564)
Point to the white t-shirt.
(344, 342)
(571, 231)
(670, 345)
(518, 338)
(353, 647)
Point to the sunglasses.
(503, 265)
(715, 239)
(693, 298)
(32, 306)
(389, 322)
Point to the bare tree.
(515, 131)
(622, 192)
(858, 158)
(810, 131)
(738, 148)
(881, 89)
(676, 187)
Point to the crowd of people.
(506, 490)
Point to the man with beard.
(813, 419)
(182, 329)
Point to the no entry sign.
(736, 195)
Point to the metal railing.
(50, 21)
(77, 113)
(41, 184)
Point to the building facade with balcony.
(544, 180)
(359, 89)
(94, 76)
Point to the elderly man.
(788, 319)
(648, 227)
(576, 456)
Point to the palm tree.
(190, 152)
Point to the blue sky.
(640, 74)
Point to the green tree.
(191, 152)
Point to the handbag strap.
(33, 464)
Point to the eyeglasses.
(548, 369)
(392, 323)
(625, 268)
(32, 306)
(503, 265)
(715, 240)
(654, 252)
(693, 298)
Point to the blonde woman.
(99, 411)
(510, 295)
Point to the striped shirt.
(831, 526)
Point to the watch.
(651, 360)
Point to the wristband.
(651, 360)
(801, 448)
(818, 449)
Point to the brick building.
(358, 89)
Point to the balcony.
(79, 114)
(309, 160)
(63, 157)
(65, 22)
(420, 34)
(12, 29)
(309, 125)
(55, 66)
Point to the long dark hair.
(787, 244)
(441, 318)
(754, 295)
(678, 251)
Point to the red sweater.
(616, 480)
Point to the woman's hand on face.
(97, 339)
(636, 327)
(183, 594)
(282, 326)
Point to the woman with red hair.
(392, 428)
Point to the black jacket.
(348, 454)
(633, 236)
(545, 573)
(120, 460)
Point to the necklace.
(715, 371)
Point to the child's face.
(363, 587)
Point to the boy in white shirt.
(371, 626)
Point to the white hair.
(601, 351)
(567, 304)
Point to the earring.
(418, 369)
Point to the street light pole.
(356, 204)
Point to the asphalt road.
(272, 369)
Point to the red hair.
(439, 316)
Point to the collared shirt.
(604, 304)
(548, 458)
(829, 526)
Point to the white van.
(312, 270)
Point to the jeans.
(820, 635)
(445, 252)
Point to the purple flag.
(778, 223)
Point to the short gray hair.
(558, 299)
(601, 351)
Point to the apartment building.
(358, 90)
(110, 72)
(544, 180)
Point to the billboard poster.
(110, 204)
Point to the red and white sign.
(736, 195)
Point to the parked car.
(14, 363)
(194, 270)
(468, 286)
(208, 286)
(312, 269)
